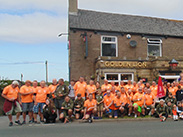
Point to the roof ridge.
(133, 15)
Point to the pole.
(21, 77)
(46, 63)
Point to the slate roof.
(101, 21)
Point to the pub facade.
(123, 47)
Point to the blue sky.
(29, 29)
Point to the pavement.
(140, 127)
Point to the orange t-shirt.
(149, 99)
(41, 94)
(124, 98)
(106, 87)
(34, 89)
(108, 100)
(138, 96)
(118, 102)
(89, 104)
(11, 92)
(130, 98)
(80, 88)
(134, 89)
(154, 90)
(91, 89)
(52, 88)
(172, 90)
(174, 112)
(26, 98)
(128, 86)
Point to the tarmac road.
(96, 129)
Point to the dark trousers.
(50, 118)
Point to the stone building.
(123, 47)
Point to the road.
(96, 129)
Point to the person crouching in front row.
(90, 108)
(66, 109)
(49, 111)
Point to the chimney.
(73, 7)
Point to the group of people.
(90, 101)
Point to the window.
(109, 46)
(117, 77)
(154, 47)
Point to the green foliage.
(4, 83)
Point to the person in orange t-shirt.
(90, 108)
(80, 87)
(52, 88)
(113, 88)
(40, 97)
(154, 88)
(91, 88)
(27, 92)
(122, 84)
(119, 105)
(34, 85)
(126, 101)
(172, 89)
(12, 102)
(106, 86)
(149, 102)
(138, 100)
(128, 85)
(109, 103)
(134, 88)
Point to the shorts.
(58, 103)
(89, 113)
(16, 108)
(139, 108)
(65, 112)
(126, 106)
(116, 112)
(27, 107)
(100, 107)
(109, 112)
(37, 107)
(148, 107)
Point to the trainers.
(11, 124)
(23, 122)
(90, 120)
(30, 121)
(135, 116)
(18, 122)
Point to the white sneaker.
(135, 116)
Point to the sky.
(29, 32)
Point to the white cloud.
(54, 5)
(38, 26)
(32, 28)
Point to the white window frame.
(109, 42)
(119, 77)
(154, 42)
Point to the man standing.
(106, 86)
(91, 88)
(40, 96)
(52, 88)
(80, 87)
(60, 93)
(12, 98)
(26, 92)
